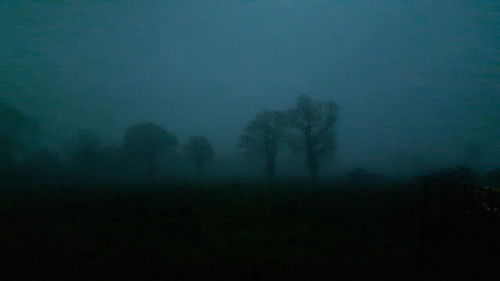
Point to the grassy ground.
(231, 232)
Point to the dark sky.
(416, 81)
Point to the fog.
(249, 140)
(416, 82)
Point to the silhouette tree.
(148, 142)
(85, 146)
(314, 122)
(14, 128)
(264, 135)
(458, 174)
(85, 156)
(42, 166)
(200, 151)
(493, 177)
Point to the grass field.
(235, 232)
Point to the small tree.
(200, 151)
(42, 166)
(457, 175)
(85, 147)
(494, 177)
(148, 142)
(264, 135)
(85, 156)
(314, 122)
(15, 127)
(15, 130)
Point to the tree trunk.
(312, 164)
(311, 157)
(271, 167)
(152, 167)
(199, 170)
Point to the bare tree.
(200, 151)
(264, 135)
(314, 122)
(148, 142)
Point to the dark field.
(238, 232)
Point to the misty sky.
(416, 81)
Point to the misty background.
(417, 82)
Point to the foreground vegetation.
(245, 231)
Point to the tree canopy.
(14, 128)
(264, 135)
(200, 151)
(314, 123)
(148, 142)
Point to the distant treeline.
(147, 150)
(150, 153)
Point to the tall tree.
(314, 122)
(200, 151)
(148, 142)
(264, 135)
